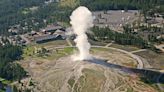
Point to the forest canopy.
(8, 68)
(14, 12)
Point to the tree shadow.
(146, 75)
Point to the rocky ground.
(108, 72)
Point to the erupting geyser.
(81, 21)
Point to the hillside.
(30, 15)
(110, 71)
(11, 11)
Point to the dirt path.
(140, 50)
(109, 44)
(55, 78)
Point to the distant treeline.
(13, 12)
(107, 35)
(121, 4)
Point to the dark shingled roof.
(44, 38)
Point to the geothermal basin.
(110, 72)
(98, 69)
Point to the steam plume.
(81, 21)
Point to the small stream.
(8, 89)
(5, 88)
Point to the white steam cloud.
(81, 21)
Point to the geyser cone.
(81, 21)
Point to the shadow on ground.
(146, 75)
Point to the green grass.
(28, 51)
(60, 53)
(65, 24)
(102, 49)
(156, 60)
(124, 47)
(2, 90)
(68, 50)
(71, 81)
(91, 81)
(54, 43)
(130, 89)
(69, 3)
(4, 81)
(97, 43)
(55, 56)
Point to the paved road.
(139, 61)
(109, 44)
(161, 47)
(140, 50)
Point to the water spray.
(82, 21)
